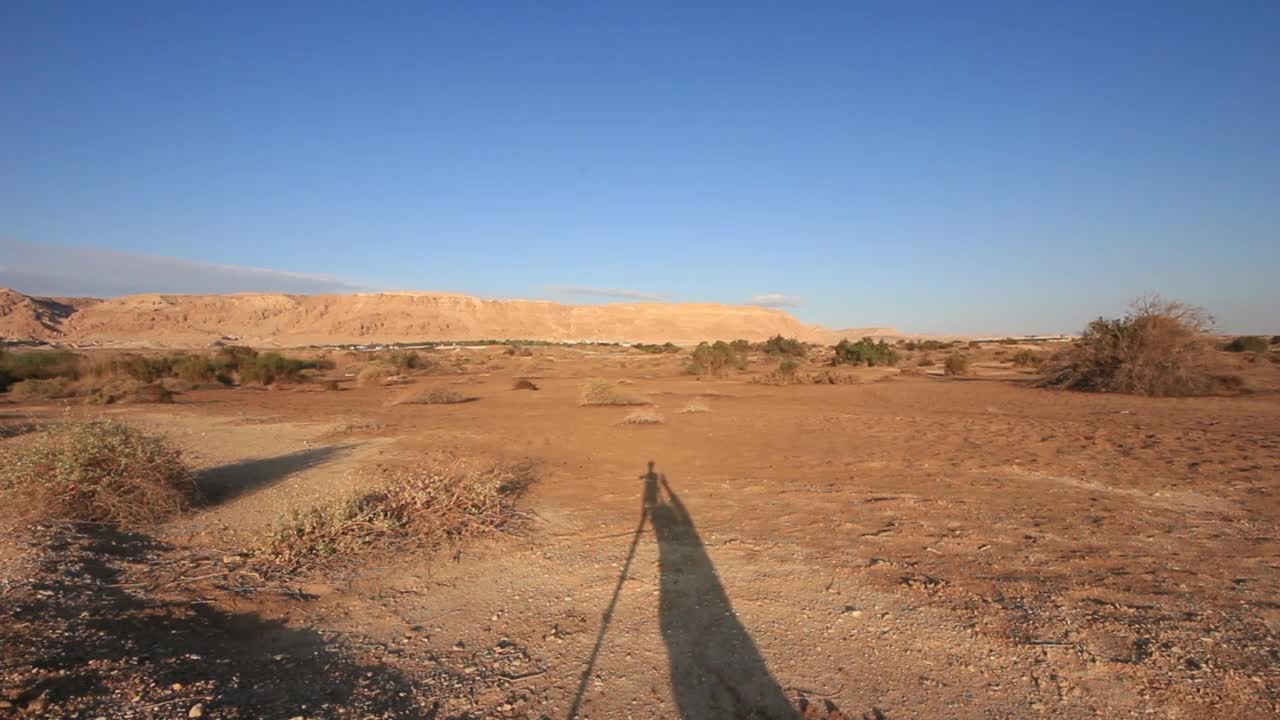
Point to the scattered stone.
(196, 711)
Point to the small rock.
(196, 711)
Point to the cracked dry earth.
(911, 548)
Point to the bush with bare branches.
(99, 471)
(1159, 348)
(440, 502)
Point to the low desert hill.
(294, 320)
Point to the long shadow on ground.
(716, 669)
(82, 644)
(227, 482)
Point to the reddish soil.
(905, 547)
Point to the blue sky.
(942, 167)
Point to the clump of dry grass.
(602, 392)
(956, 364)
(112, 390)
(1028, 358)
(441, 502)
(434, 396)
(789, 374)
(37, 389)
(99, 471)
(524, 384)
(643, 417)
(695, 406)
(1159, 348)
(372, 374)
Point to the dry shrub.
(642, 417)
(602, 392)
(374, 374)
(34, 389)
(435, 396)
(99, 471)
(1028, 358)
(784, 375)
(1248, 343)
(695, 406)
(441, 502)
(524, 384)
(110, 391)
(956, 364)
(1159, 348)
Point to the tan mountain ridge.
(281, 320)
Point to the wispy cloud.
(43, 269)
(605, 292)
(775, 300)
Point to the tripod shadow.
(716, 669)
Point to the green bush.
(714, 359)
(785, 347)
(657, 349)
(1247, 343)
(271, 367)
(37, 365)
(864, 352)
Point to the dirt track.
(909, 548)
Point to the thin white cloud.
(774, 300)
(41, 269)
(605, 292)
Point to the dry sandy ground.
(913, 547)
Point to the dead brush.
(1160, 348)
(695, 406)
(373, 375)
(602, 392)
(524, 384)
(434, 396)
(643, 417)
(439, 503)
(97, 471)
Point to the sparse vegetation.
(524, 384)
(125, 390)
(957, 363)
(864, 352)
(1247, 343)
(518, 350)
(715, 359)
(1159, 348)
(435, 396)
(642, 417)
(695, 406)
(657, 349)
(16, 367)
(372, 374)
(1028, 358)
(925, 361)
(784, 347)
(405, 360)
(434, 504)
(36, 389)
(602, 392)
(98, 471)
